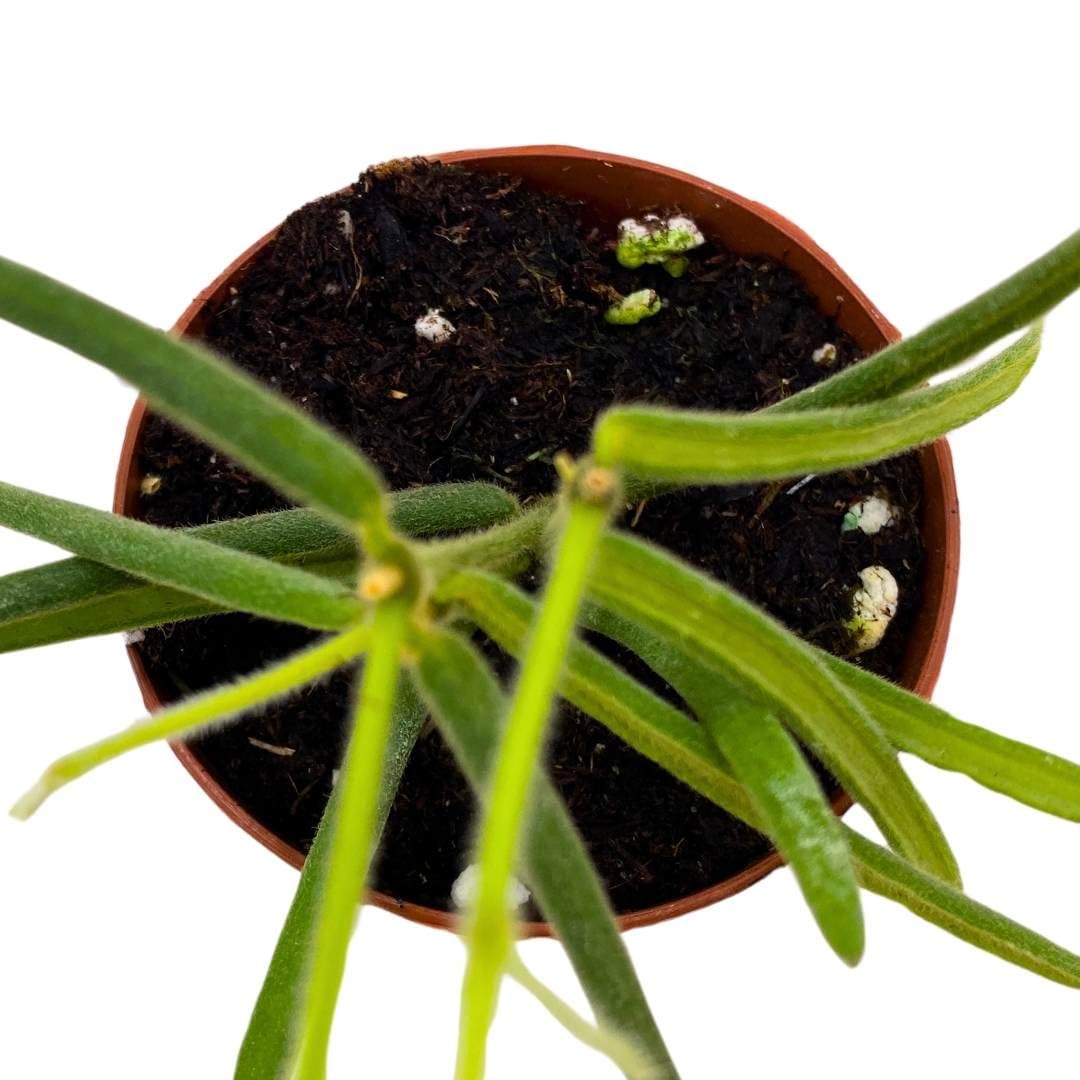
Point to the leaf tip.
(28, 804)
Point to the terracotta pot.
(612, 187)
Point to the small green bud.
(677, 266)
(656, 240)
(633, 308)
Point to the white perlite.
(872, 607)
(825, 356)
(434, 326)
(869, 515)
(463, 891)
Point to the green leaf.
(265, 1050)
(1028, 774)
(794, 815)
(226, 577)
(489, 925)
(1014, 303)
(206, 394)
(720, 629)
(677, 744)
(785, 793)
(353, 835)
(467, 703)
(195, 713)
(883, 873)
(77, 597)
(724, 448)
(1032, 776)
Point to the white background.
(930, 152)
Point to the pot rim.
(941, 524)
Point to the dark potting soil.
(327, 314)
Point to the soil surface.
(327, 315)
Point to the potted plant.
(353, 566)
(279, 797)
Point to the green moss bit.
(654, 240)
(633, 308)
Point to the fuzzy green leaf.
(762, 756)
(74, 598)
(720, 629)
(226, 577)
(676, 743)
(467, 702)
(686, 447)
(207, 395)
(1025, 773)
(195, 713)
(1014, 303)
(353, 836)
(265, 1049)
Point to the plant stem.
(620, 1050)
(199, 711)
(496, 548)
(267, 1049)
(489, 927)
(353, 837)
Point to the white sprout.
(825, 356)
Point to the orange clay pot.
(612, 187)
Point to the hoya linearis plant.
(397, 597)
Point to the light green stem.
(496, 549)
(621, 1051)
(489, 931)
(352, 839)
(198, 712)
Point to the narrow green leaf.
(224, 576)
(265, 1050)
(720, 629)
(884, 873)
(489, 925)
(1028, 774)
(1014, 303)
(74, 598)
(677, 744)
(439, 509)
(688, 447)
(206, 394)
(794, 815)
(762, 756)
(351, 842)
(467, 703)
(1032, 776)
(195, 713)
